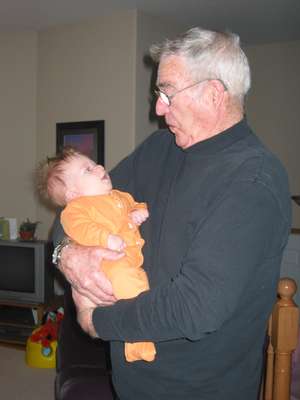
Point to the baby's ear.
(70, 195)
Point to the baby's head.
(70, 175)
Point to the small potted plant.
(27, 229)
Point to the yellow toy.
(37, 357)
(41, 345)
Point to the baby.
(97, 215)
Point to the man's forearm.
(84, 318)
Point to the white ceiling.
(257, 21)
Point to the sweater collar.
(222, 140)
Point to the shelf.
(17, 321)
(14, 336)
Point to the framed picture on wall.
(86, 136)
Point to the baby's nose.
(99, 170)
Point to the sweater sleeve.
(227, 253)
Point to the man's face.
(185, 115)
(83, 177)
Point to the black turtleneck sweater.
(219, 220)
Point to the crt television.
(26, 272)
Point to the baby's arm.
(136, 211)
(139, 216)
(79, 223)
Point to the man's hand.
(85, 308)
(81, 266)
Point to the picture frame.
(85, 136)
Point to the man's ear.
(212, 95)
(217, 92)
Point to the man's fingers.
(105, 299)
(99, 282)
(81, 266)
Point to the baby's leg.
(140, 351)
(127, 281)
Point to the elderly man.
(219, 219)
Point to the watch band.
(58, 249)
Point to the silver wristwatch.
(58, 249)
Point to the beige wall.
(95, 70)
(77, 72)
(273, 105)
(86, 72)
(149, 30)
(18, 71)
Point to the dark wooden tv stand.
(17, 322)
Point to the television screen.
(17, 269)
(26, 272)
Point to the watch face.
(57, 251)
(55, 254)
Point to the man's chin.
(183, 143)
(180, 139)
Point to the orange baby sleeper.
(89, 220)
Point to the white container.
(13, 230)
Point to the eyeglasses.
(166, 99)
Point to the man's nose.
(161, 108)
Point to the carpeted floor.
(19, 382)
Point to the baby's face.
(84, 177)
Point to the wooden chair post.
(268, 383)
(283, 331)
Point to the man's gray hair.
(210, 55)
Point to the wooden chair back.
(283, 336)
